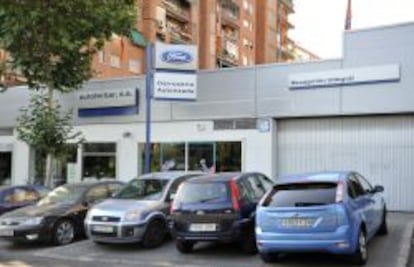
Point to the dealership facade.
(353, 113)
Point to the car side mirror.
(378, 188)
(85, 204)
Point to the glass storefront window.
(223, 156)
(5, 168)
(228, 156)
(201, 156)
(173, 156)
(99, 160)
(164, 156)
(59, 165)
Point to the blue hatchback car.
(335, 212)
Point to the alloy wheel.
(64, 233)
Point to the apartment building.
(228, 33)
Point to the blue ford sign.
(176, 57)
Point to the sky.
(319, 24)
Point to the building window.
(101, 56)
(99, 160)
(134, 65)
(245, 23)
(245, 4)
(245, 62)
(115, 61)
(222, 156)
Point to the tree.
(51, 43)
(48, 130)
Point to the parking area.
(390, 250)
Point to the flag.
(348, 18)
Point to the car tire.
(383, 229)
(360, 255)
(63, 232)
(269, 257)
(154, 235)
(184, 246)
(249, 243)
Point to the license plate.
(103, 229)
(6, 232)
(203, 227)
(297, 222)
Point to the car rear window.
(204, 193)
(301, 195)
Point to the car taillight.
(234, 195)
(340, 192)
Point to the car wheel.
(249, 243)
(63, 232)
(360, 256)
(383, 230)
(269, 257)
(184, 246)
(154, 235)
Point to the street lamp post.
(148, 96)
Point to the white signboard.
(107, 98)
(175, 86)
(372, 74)
(176, 57)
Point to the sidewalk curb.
(404, 255)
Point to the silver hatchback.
(138, 213)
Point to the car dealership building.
(353, 113)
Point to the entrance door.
(5, 167)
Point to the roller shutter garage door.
(381, 148)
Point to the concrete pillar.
(20, 163)
(127, 159)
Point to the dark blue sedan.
(14, 197)
(336, 212)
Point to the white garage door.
(379, 147)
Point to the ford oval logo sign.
(176, 57)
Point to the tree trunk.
(49, 158)
(49, 180)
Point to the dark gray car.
(138, 213)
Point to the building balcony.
(226, 60)
(176, 11)
(289, 6)
(229, 18)
(179, 36)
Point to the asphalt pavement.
(384, 251)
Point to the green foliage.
(52, 42)
(46, 130)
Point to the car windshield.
(63, 194)
(143, 189)
(203, 193)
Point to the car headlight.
(134, 216)
(33, 221)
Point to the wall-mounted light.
(127, 134)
